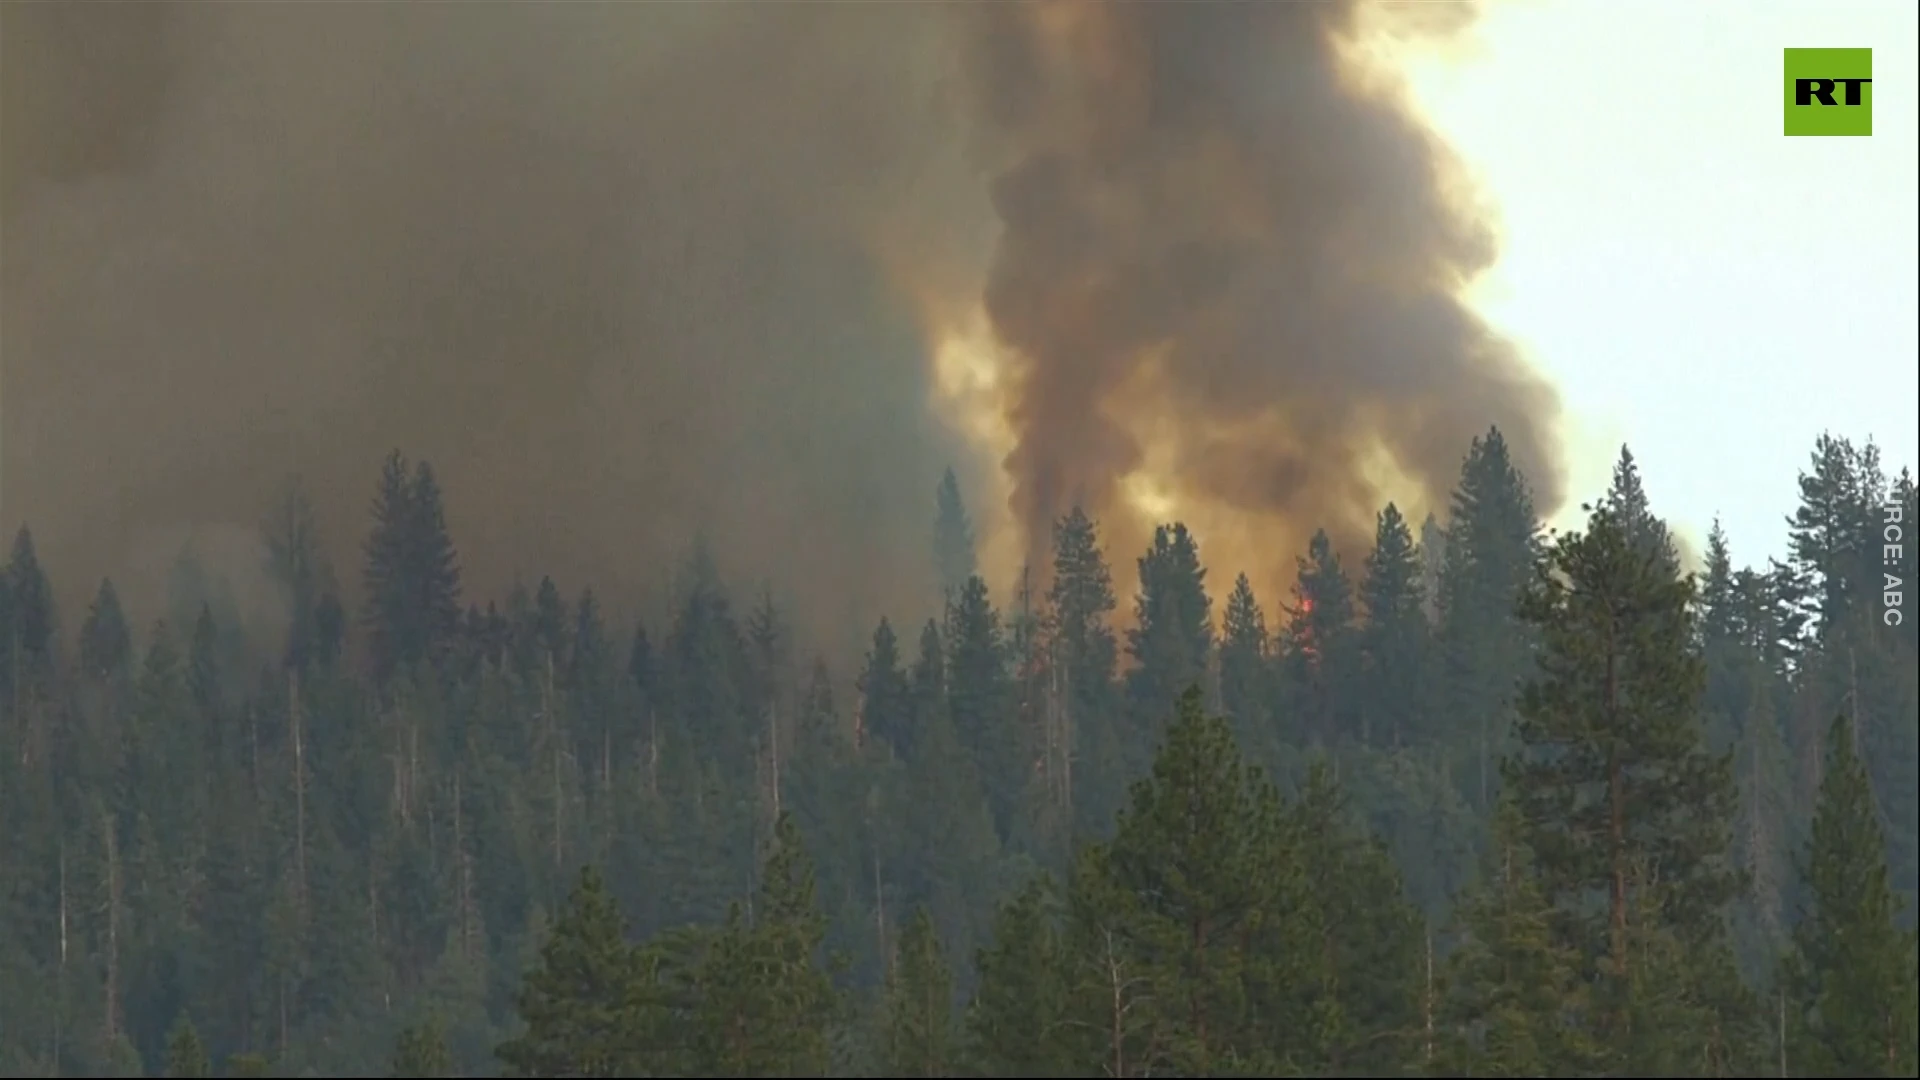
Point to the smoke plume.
(628, 273)
(1232, 269)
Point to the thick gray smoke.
(628, 272)
(603, 264)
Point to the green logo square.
(1829, 91)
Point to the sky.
(1700, 286)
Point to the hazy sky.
(1700, 286)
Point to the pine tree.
(1741, 707)
(1246, 689)
(1172, 899)
(106, 645)
(920, 1036)
(167, 742)
(1370, 936)
(1721, 641)
(1617, 794)
(980, 699)
(186, 1055)
(1089, 740)
(1318, 652)
(1017, 1023)
(421, 1050)
(766, 1004)
(1492, 535)
(816, 730)
(1647, 533)
(1511, 985)
(389, 618)
(886, 707)
(1832, 533)
(1394, 643)
(955, 879)
(412, 573)
(30, 630)
(576, 1004)
(434, 562)
(1851, 975)
(706, 662)
(928, 680)
(1172, 640)
(952, 537)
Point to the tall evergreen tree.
(952, 536)
(1171, 642)
(412, 574)
(1744, 699)
(1364, 997)
(886, 705)
(955, 879)
(1246, 687)
(1616, 792)
(1513, 982)
(927, 681)
(1492, 535)
(576, 1003)
(766, 1002)
(186, 1054)
(1090, 737)
(421, 1050)
(920, 1035)
(106, 645)
(30, 629)
(980, 701)
(392, 639)
(434, 563)
(205, 678)
(1851, 976)
(1628, 497)
(1319, 654)
(708, 666)
(1168, 902)
(1394, 647)
(1018, 1023)
(1833, 532)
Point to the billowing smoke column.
(630, 272)
(1232, 269)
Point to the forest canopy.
(1479, 800)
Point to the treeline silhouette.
(1487, 801)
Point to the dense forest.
(1484, 800)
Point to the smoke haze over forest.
(625, 273)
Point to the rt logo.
(1829, 91)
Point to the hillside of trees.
(1484, 800)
